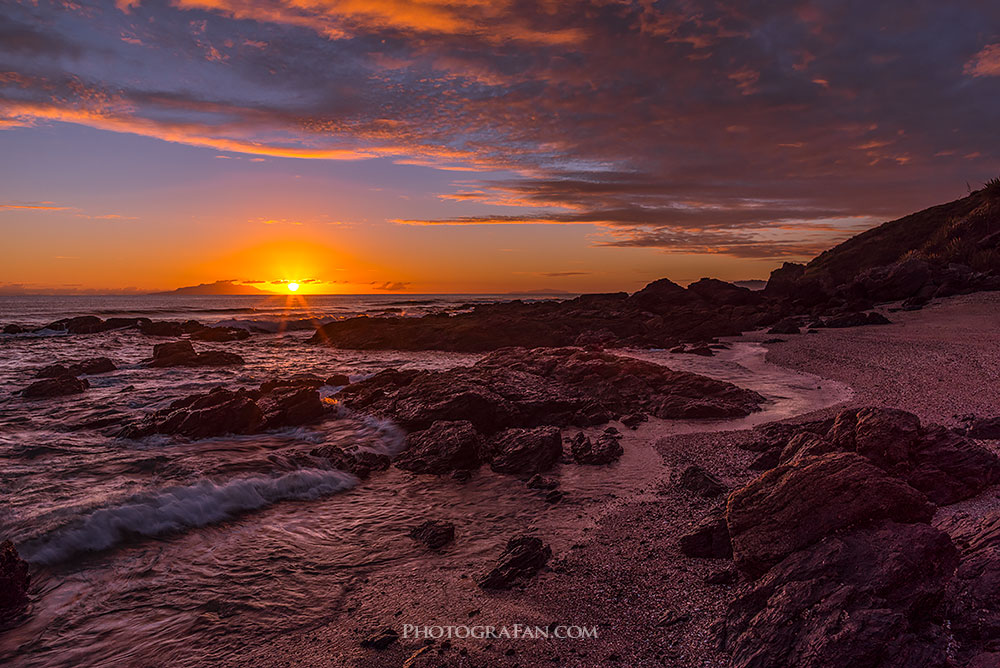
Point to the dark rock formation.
(297, 380)
(60, 386)
(633, 420)
(220, 334)
(14, 581)
(985, 428)
(974, 594)
(701, 482)
(182, 353)
(945, 466)
(520, 450)
(89, 367)
(223, 411)
(435, 534)
(868, 598)
(338, 380)
(523, 557)
(355, 461)
(561, 386)
(605, 450)
(797, 504)
(852, 319)
(786, 326)
(442, 447)
(709, 539)
(539, 481)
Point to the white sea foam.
(183, 507)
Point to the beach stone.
(435, 534)
(443, 447)
(14, 581)
(59, 386)
(220, 334)
(605, 450)
(633, 420)
(380, 640)
(797, 504)
(539, 481)
(521, 559)
(90, 367)
(871, 597)
(182, 353)
(709, 539)
(525, 450)
(338, 380)
(785, 326)
(701, 482)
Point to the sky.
(475, 146)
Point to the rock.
(88, 367)
(797, 504)
(435, 534)
(855, 319)
(354, 460)
(223, 411)
(290, 407)
(539, 481)
(84, 324)
(15, 329)
(59, 386)
(338, 380)
(182, 353)
(528, 388)
(14, 581)
(709, 539)
(775, 340)
(868, 598)
(945, 466)
(703, 351)
(380, 640)
(162, 328)
(461, 475)
(726, 576)
(974, 594)
(523, 557)
(554, 496)
(766, 460)
(984, 428)
(719, 292)
(298, 380)
(633, 420)
(605, 450)
(701, 482)
(520, 450)
(220, 334)
(786, 326)
(444, 446)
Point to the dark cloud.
(564, 274)
(390, 286)
(694, 124)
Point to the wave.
(179, 508)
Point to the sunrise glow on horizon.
(471, 148)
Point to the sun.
(293, 286)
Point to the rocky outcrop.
(868, 598)
(974, 595)
(356, 461)
(89, 367)
(556, 386)
(435, 534)
(523, 557)
(701, 482)
(182, 353)
(605, 449)
(443, 447)
(709, 539)
(797, 504)
(224, 411)
(59, 386)
(520, 450)
(14, 581)
(220, 334)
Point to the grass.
(992, 187)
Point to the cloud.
(390, 286)
(986, 63)
(714, 130)
(564, 274)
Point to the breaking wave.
(179, 508)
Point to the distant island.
(217, 288)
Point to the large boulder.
(701, 482)
(521, 450)
(14, 581)
(515, 387)
(947, 467)
(719, 292)
(523, 557)
(605, 449)
(60, 386)
(182, 353)
(871, 597)
(290, 407)
(974, 594)
(220, 334)
(443, 447)
(709, 539)
(795, 505)
(89, 367)
(357, 461)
